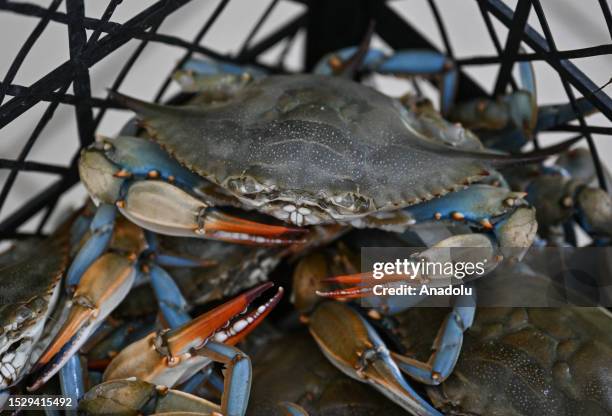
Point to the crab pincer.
(103, 286)
(156, 193)
(166, 209)
(352, 345)
(170, 357)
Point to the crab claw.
(164, 208)
(103, 286)
(352, 345)
(362, 285)
(172, 357)
(221, 226)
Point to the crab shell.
(521, 360)
(30, 289)
(311, 149)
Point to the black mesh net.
(325, 26)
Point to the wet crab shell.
(29, 291)
(311, 149)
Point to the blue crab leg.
(403, 63)
(424, 63)
(71, 379)
(101, 228)
(446, 347)
(171, 260)
(216, 67)
(554, 115)
(81, 224)
(478, 205)
(237, 384)
(527, 75)
(363, 285)
(293, 409)
(171, 301)
(353, 346)
(427, 63)
(174, 307)
(329, 64)
(169, 297)
(208, 375)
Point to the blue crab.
(354, 346)
(558, 357)
(30, 292)
(564, 191)
(305, 149)
(522, 360)
(98, 282)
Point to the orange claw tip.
(240, 328)
(76, 319)
(205, 325)
(219, 221)
(349, 278)
(367, 278)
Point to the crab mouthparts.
(228, 323)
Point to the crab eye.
(23, 314)
(352, 202)
(244, 185)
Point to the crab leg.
(425, 62)
(71, 379)
(170, 260)
(101, 229)
(237, 383)
(137, 397)
(555, 115)
(171, 302)
(292, 409)
(404, 63)
(446, 347)
(206, 375)
(478, 204)
(354, 347)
